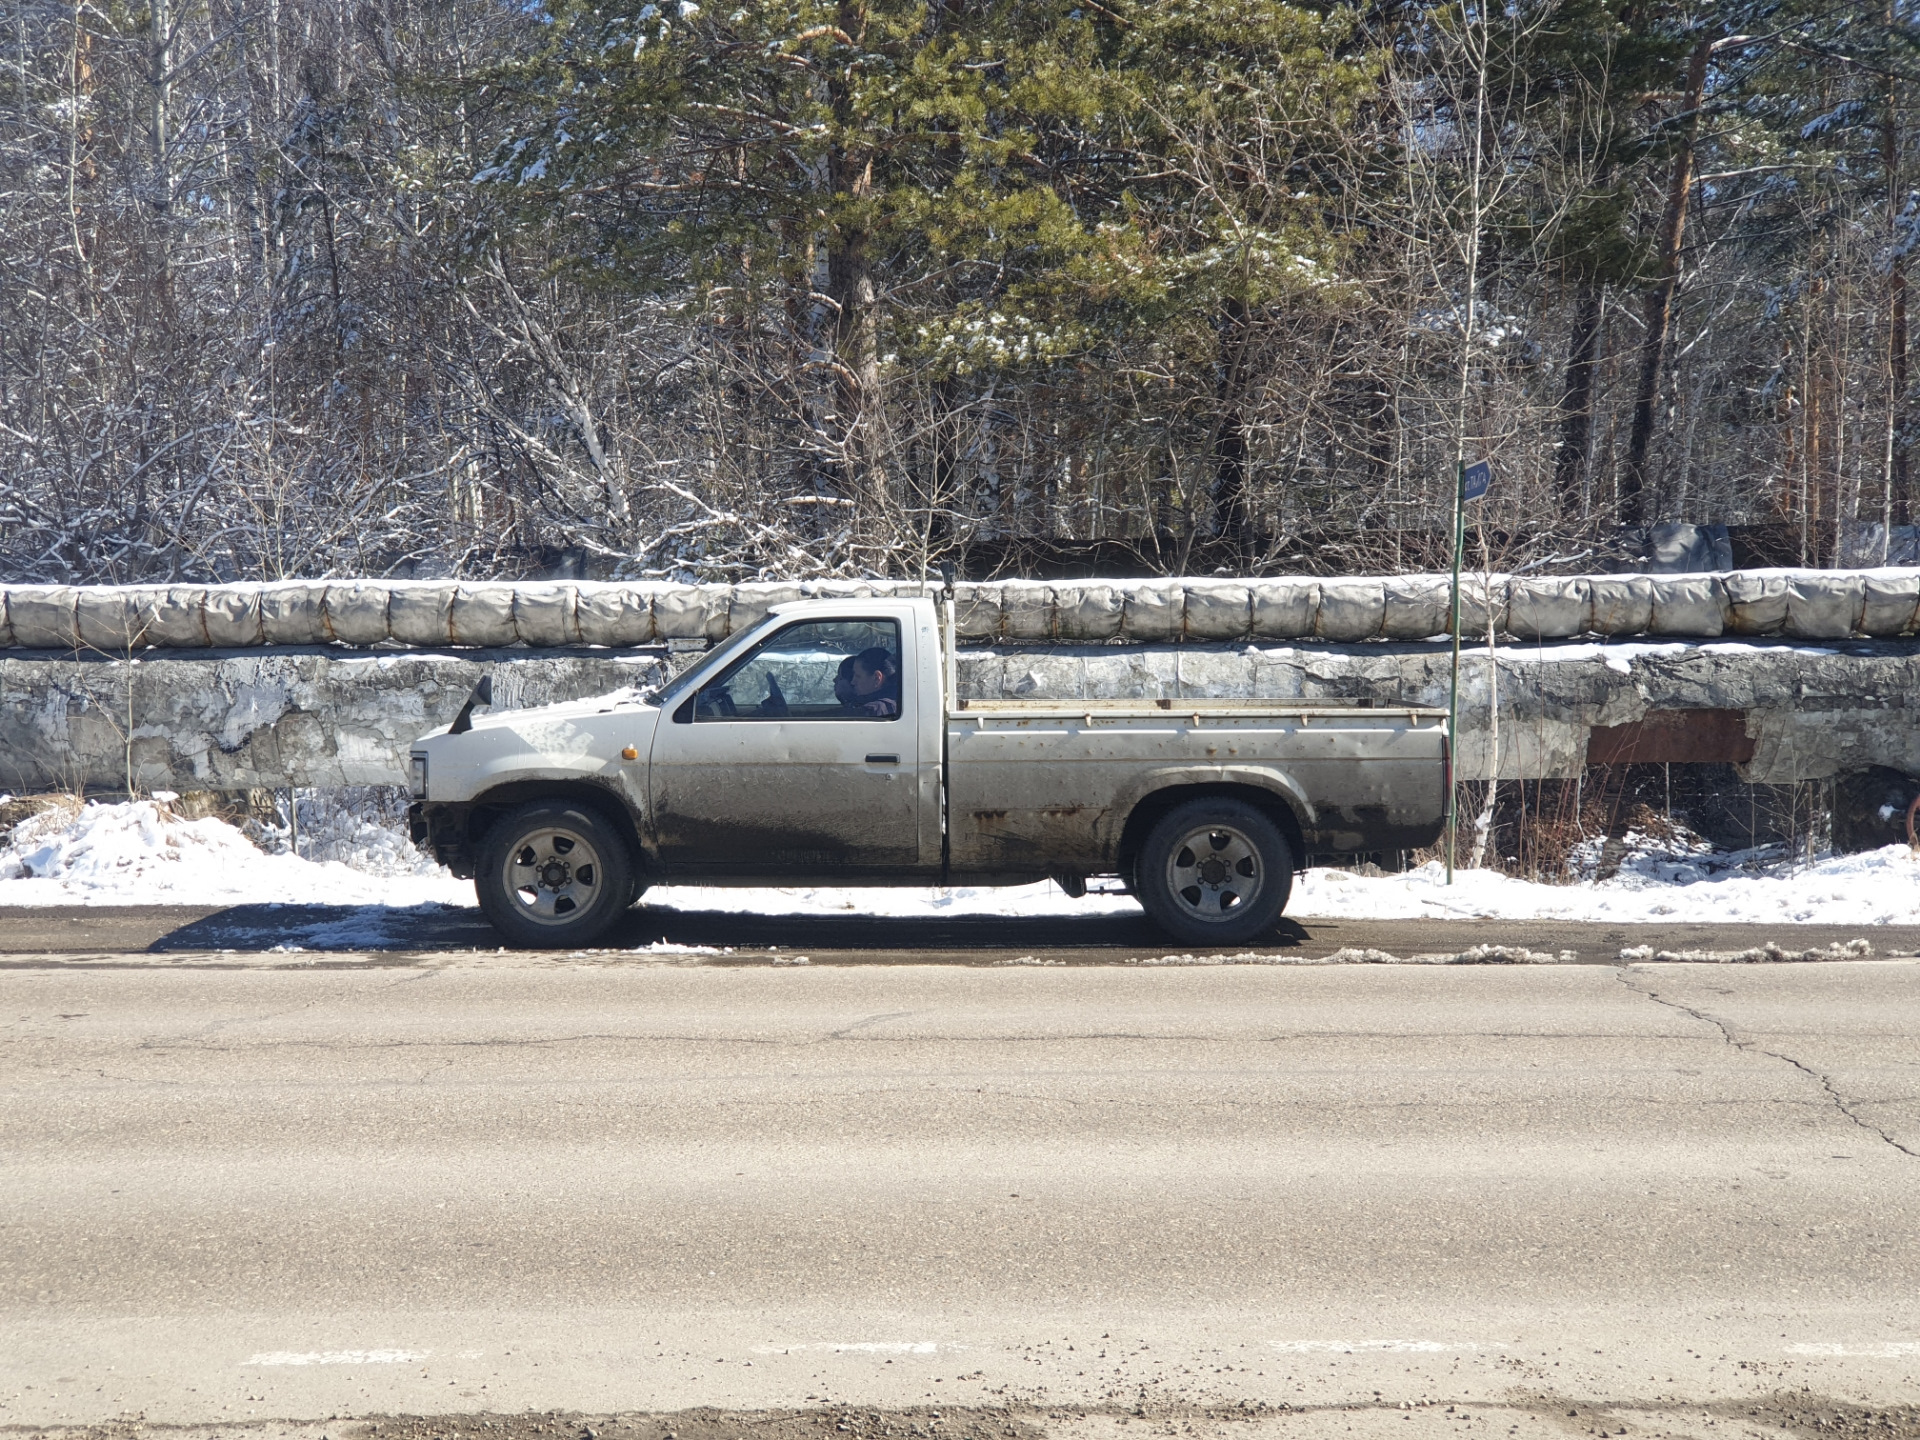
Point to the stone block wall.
(212, 720)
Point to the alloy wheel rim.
(1214, 873)
(553, 875)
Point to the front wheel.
(553, 875)
(1214, 872)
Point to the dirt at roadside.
(1800, 1416)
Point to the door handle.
(883, 759)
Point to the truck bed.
(1051, 784)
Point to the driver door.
(767, 770)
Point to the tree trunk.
(1653, 347)
(1232, 513)
(1896, 502)
(159, 100)
(1576, 401)
(850, 283)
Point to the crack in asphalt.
(1727, 1033)
(862, 1024)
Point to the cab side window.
(811, 670)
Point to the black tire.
(1214, 872)
(553, 876)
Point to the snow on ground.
(1879, 887)
(140, 853)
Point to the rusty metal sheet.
(1673, 737)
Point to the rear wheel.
(553, 875)
(1214, 872)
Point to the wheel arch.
(488, 806)
(1276, 795)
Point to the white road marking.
(1353, 1347)
(1892, 1350)
(337, 1357)
(859, 1347)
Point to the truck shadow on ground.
(660, 928)
(647, 926)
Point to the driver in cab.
(869, 684)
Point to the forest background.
(773, 290)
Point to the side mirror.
(946, 576)
(482, 695)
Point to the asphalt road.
(472, 1182)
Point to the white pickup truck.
(825, 745)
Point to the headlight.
(417, 777)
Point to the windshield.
(710, 663)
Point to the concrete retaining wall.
(197, 721)
(236, 721)
(1805, 604)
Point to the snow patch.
(140, 853)
(1877, 887)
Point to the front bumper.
(443, 830)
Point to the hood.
(629, 700)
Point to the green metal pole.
(1453, 698)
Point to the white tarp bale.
(420, 612)
(1088, 612)
(231, 615)
(41, 616)
(1155, 612)
(617, 616)
(115, 620)
(482, 614)
(164, 617)
(1889, 603)
(837, 589)
(976, 612)
(690, 612)
(290, 613)
(1548, 607)
(354, 612)
(1824, 606)
(750, 603)
(1756, 604)
(1219, 610)
(543, 613)
(1351, 609)
(1476, 594)
(1622, 604)
(1689, 605)
(844, 589)
(1285, 609)
(1026, 610)
(1417, 606)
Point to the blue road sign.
(1475, 479)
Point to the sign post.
(1470, 482)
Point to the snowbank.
(1880, 887)
(140, 853)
